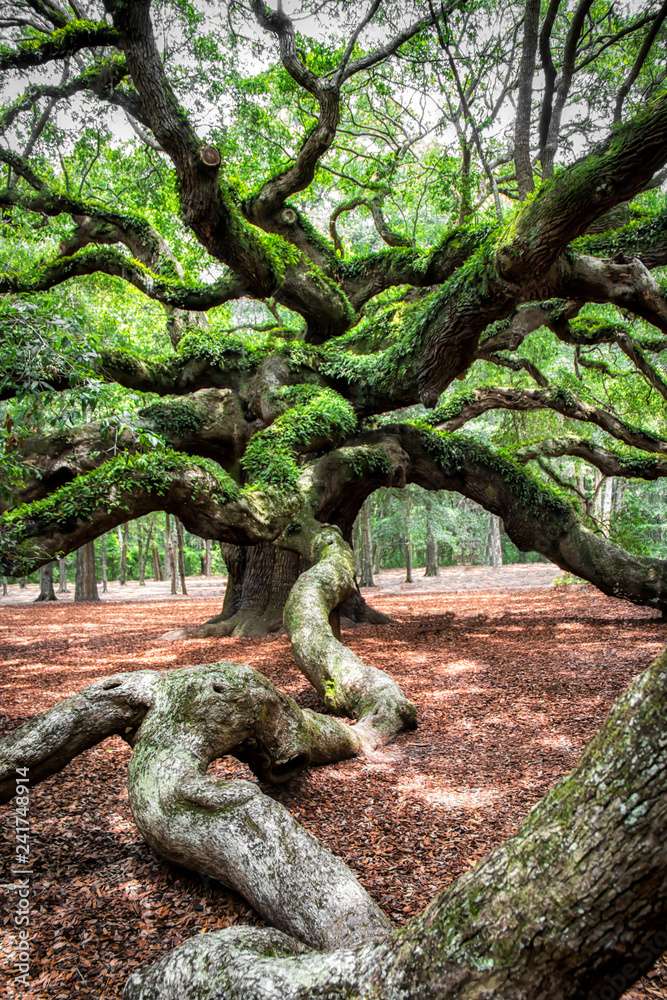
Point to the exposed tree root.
(178, 722)
(242, 624)
(345, 684)
(574, 902)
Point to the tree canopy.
(249, 253)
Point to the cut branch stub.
(210, 156)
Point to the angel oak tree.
(444, 124)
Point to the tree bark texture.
(103, 555)
(157, 568)
(573, 905)
(345, 684)
(123, 537)
(140, 556)
(181, 554)
(62, 576)
(259, 581)
(494, 547)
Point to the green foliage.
(174, 418)
(314, 418)
(640, 522)
(364, 460)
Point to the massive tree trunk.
(86, 581)
(46, 591)
(259, 581)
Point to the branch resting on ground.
(178, 723)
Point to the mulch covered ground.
(510, 687)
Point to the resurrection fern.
(316, 417)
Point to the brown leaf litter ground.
(510, 684)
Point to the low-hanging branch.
(536, 517)
(228, 830)
(209, 423)
(205, 499)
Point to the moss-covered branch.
(267, 264)
(610, 463)
(536, 516)
(64, 42)
(346, 685)
(177, 723)
(645, 238)
(109, 261)
(208, 424)
(365, 277)
(206, 500)
(106, 75)
(457, 410)
(624, 282)
(538, 917)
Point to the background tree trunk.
(173, 558)
(494, 547)
(140, 556)
(62, 576)
(105, 581)
(4, 586)
(355, 546)
(46, 591)
(86, 581)
(157, 568)
(181, 553)
(147, 545)
(432, 568)
(366, 548)
(167, 547)
(407, 539)
(408, 559)
(123, 536)
(607, 504)
(208, 557)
